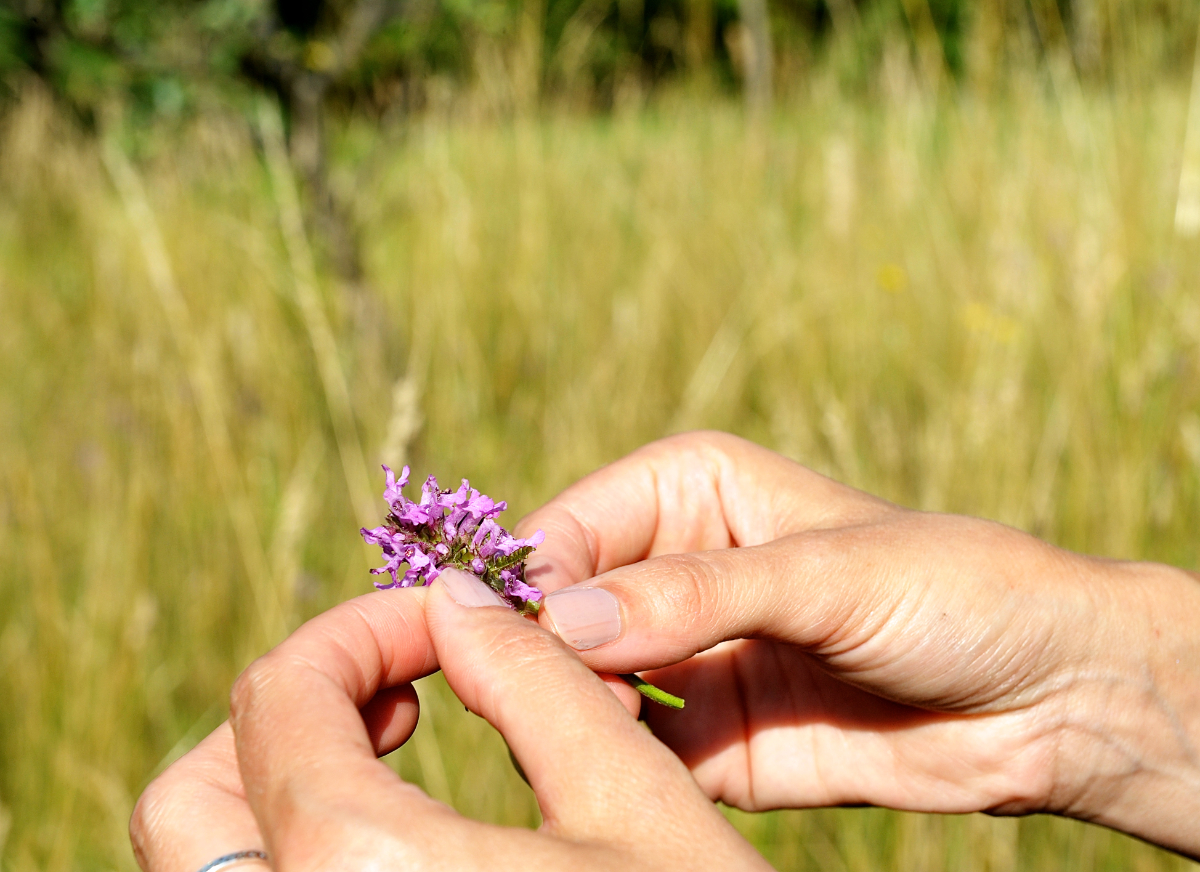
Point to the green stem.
(648, 690)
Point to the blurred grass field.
(964, 299)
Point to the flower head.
(451, 528)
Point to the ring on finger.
(234, 859)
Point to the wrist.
(1129, 736)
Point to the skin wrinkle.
(874, 634)
(1028, 801)
(655, 484)
(590, 541)
(859, 634)
(760, 596)
(775, 651)
(727, 495)
(987, 657)
(984, 655)
(688, 619)
(365, 686)
(386, 650)
(354, 674)
(831, 571)
(1015, 677)
(382, 665)
(686, 599)
(716, 461)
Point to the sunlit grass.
(963, 304)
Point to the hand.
(848, 651)
(296, 774)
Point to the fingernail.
(584, 617)
(467, 590)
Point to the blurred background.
(944, 251)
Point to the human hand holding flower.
(837, 649)
(295, 772)
(458, 530)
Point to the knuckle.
(250, 687)
(150, 816)
(700, 438)
(695, 445)
(522, 648)
(690, 591)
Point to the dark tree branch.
(302, 73)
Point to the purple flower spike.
(451, 528)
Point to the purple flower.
(516, 588)
(451, 528)
(392, 494)
(485, 538)
(508, 544)
(420, 565)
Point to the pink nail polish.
(584, 617)
(467, 590)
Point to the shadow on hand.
(743, 688)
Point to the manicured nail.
(467, 590)
(584, 617)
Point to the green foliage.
(12, 48)
(167, 57)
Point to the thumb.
(799, 589)
(590, 763)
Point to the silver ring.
(233, 859)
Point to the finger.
(827, 743)
(897, 606)
(587, 760)
(625, 693)
(302, 744)
(195, 811)
(818, 590)
(694, 492)
(390, 717)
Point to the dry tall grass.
(970, 304)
